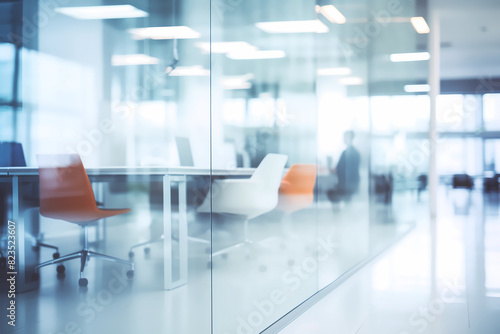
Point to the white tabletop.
(142, 170)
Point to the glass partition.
(263, 103)
(265, 149)
(491, 103)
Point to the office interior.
(269, 152)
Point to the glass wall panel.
(399, 147)
(343, 149)
(457, 113)
(127, 88)
(460, 155)
(264, 149)
(491, 155)
(7, 56)
(400, 113)
(264, 116)
(491, 114)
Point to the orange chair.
(297, 188)
(66, 193)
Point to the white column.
(434, 81)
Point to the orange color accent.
(297, 188)
(66, 192)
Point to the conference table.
(170, 178)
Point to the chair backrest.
(11, 154)
(462, 181)
(300, 179)
(64, 185)
(270, 171)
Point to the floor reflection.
(417, 287)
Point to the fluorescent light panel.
(290, 27)
(334, 71)
(415, 56)
(332, 14)
(417, 88)
(237, 81)
(184, 71)
(351, 81)
(420, 25)
(262, 54)
(174, 32)
(102, 12)
(134, 59)
(226, 47)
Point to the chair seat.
(79, 217)
(294, 202)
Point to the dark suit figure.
(347, 171)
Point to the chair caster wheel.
(224, 256)
(147, 250)
(131, 254)
(56, 255)
(83, 282)
(35, 276)
(61, 269)
(130, 274)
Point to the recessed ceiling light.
(175, 32)
(134, 59)
(226, 47)
(237, 82)
(102, 12)
(289, 27)
(417, 88)
(332, 14)
(262, 54)
(334, 71)
(351, 81)
(420, 25)
(415, 56)
(183, 71)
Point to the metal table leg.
(170, 281)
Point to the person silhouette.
(347, 171)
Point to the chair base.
(84, 255)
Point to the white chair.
(247, 197)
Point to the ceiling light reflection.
(424, 88)
(183, 71)
(334, 71)
(262, 54)
(102, 12)
(420, 25)
(289, 27)
(226, 47)
(332, 14)
(174, 32)
(134, 59)
(415, 56)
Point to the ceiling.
(470, 37)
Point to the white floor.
(447, 282)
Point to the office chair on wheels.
(66, 194)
